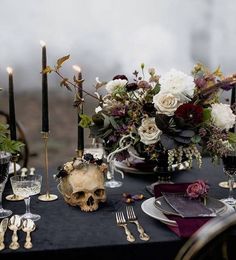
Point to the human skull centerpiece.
(81, 182)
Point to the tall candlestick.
(80, 131)
(45, 121)
(12, 119)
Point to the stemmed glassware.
(111, 182)
(26, 187)
(229, 163)
(4, 167)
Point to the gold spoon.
(14, 225)
(28, 226)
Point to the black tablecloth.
(65, 230)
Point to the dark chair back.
(215, 240)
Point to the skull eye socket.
(79, 195)
(99, 192)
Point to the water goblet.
(26, 187)
(229, 168)
(4, 167)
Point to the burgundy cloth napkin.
(185, 226)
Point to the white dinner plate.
(149, 208)
(11, 168)
(124, 167)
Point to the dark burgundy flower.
(131, 87)
(149, 109)
(120, 77)
(190, 113)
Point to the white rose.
(222, 116)
(179, 84)
(113, 84)
(149, 132)
(166, 103)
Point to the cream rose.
(222, 116)
(149, 132)
(166, 103)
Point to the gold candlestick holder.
(47, 196)
(79, 153)
(14, 197)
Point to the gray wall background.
(107, 37)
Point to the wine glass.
(229, 163)
(4, 167)
(26, 187)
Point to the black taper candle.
(12, 115)
(45, 120)
(232, 102)
(80, 141)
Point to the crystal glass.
(26, 187)
(111, 182)
(4, 167)
(229, 163)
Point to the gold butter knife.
(3, 228)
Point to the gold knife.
(3, 228)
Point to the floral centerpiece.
(166, 119)
(163, 120)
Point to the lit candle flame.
(42, 43)
(9, 70)
(76, 68)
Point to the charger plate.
(125, 168)
(149, 208)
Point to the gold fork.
(120, 220)
(133, 219)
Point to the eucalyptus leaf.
(167, 142)
(113, 122)
(187, 133)
(196, 139)
(182, 140)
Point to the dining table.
(64, 230)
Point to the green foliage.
(85, 120)
(6, 144)
(232, 138)
(206, 114)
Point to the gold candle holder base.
(225, 184)
(47, 197)
(13, 197)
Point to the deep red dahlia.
(120, 77)
(190, 113)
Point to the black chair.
(215, 240)
(24, 154)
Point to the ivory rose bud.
(166, 103)
(149, 132)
